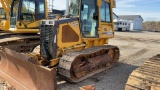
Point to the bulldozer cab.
(89, 19)
(95, 17)
(25, 14)
(27, 11)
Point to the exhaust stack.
(67, 7)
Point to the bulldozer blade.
(22, 74)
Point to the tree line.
(151, 26)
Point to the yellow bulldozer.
(74, 46)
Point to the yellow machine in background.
(76, 45)
(25, 15)
(23, 20)
(5, 19)
(2, 13)
(4, 22)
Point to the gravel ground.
(5, 85)
(135, 47)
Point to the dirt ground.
(135, 48)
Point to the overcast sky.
(148, 9)
(58, 4)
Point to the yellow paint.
(105, 32)
(104, 28)
(82, 43)
(99, 3)
(54, 62)
(91, 42)
(68, 44)
(32, 26)
(5, 23)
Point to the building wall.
(137, 24)
(131, 25)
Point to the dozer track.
(79, 65)
(146, 77)
(19, 42)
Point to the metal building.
(136, 21)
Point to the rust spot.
(69, 35)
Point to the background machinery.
(22, 23)
(5, 16)
(146, 77)
(25, 15)
(76, 45)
